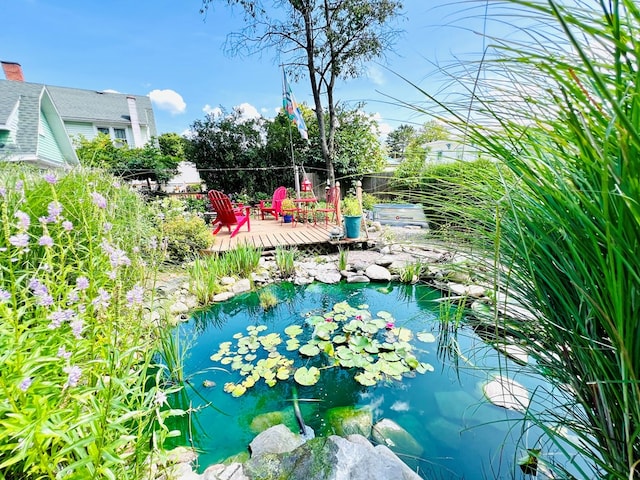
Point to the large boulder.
(507, 393)
(378, 273)
(389, 433)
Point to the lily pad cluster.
(346, 337)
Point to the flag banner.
(291, 107)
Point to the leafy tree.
(143, 163)
(327, 39)
(414, 144)
(398, 140)
(172, 144)
(236, 155)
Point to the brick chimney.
(12, 71)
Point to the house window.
(104, 130)
(120, 135)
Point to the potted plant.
(352, 213)
(288, 209)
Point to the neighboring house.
(448, 151)
(38, 122)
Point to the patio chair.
(226, 214)
(332, 206)
(275, 208)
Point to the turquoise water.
(461, 434)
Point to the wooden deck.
(268, 234)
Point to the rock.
(334, 458)
(233, 471)
(455, 405)
(507, 393)
(241, 286)
(264, 421)
(303, 280)
(377, 273)
(358, 279)
(181, 455)
(515, 352)
(389, 433)
(349, 420)
(223, 297)
(227, 280)
(260, 277)
(328, 276)
(277, 439)
(475, 291)
(178, 308)
(385, 250)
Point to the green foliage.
(129, 163)
(351, 207)
(185, 234)
(343, 258)
(567, 139)
(204, 276)
(80, 398)
(369, 200)
(268, 299)
(242, 260)
(412, 272)
(346, 337)
(285, 260)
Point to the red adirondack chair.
(226, 214)
(333, 204)
(275, 208)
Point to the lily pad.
(293, 344)
(426, 337)
(307, 376)
(366, 378)
(309, 350)
(270, 340)
(293, 330)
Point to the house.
(38, 122)
(449, 151)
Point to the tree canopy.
(326, 40)
(146, 163)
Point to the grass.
(285, 261)
(559, 113)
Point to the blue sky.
(168, 50)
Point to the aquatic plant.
(285, 260)
(343, 258)
(345, 337)
(268, 299)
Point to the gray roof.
(28, 94)
(93, 106)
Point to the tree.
(146, 163)
(172, 144)
(237, 155)
(327, 39)
(398, 140)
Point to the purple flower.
(45, 241)
(62, 353)
(74, 373)
(102, 300)
(99, 200)
(116, 184)
(54, 209)
(153, 243)
(20, 240)
(19, 185)
(37, 287)
(45, 300)
(4, 296)
(329, 319)
(73, 297)
(3, 192)
(117, 257)
(82, 283)
(106, 227)
(358, 317)
(389, 325)
(23, 220)
(67, 225)
(135, 295)
(77, 325)
(50, 177)
(59, 317)
(25, 384)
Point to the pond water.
(461, 435)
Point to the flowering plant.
(75, 398)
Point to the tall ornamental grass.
(558, 107)
(80, 397)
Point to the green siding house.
(39, 122)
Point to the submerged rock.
(389, 433)
(507, 393)
(349, 420)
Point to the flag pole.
(296, 178)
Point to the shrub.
(185, 234)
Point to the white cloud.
(383, 128)
(247, 111)
(209, 110)
(376, 75)
(168, 100)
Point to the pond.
(461, 435)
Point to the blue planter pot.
(352, 226)
(287, 218)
